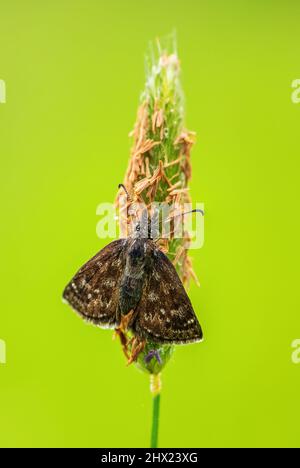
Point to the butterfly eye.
(138, 227)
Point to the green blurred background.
(74, 71)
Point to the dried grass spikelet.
(159, 167)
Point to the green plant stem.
(155, 421)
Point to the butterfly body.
(132, 276)
(137, 267)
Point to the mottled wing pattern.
(165, 313)
(94, 292)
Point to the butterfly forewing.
(94, 290)
(165, 313)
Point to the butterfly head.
(148, 224)
(147, 227)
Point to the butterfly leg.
(137, 346)
(121, 330)
(125, 320)
(124, 341)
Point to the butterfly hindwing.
(165, 313)
(93, 292)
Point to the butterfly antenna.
(186, 212)
(125, 190)
(193, 211)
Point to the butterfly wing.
(94, 292)
(165, 313)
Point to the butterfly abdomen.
(133, 279)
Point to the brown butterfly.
(131, 284)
